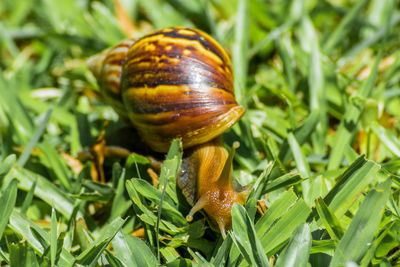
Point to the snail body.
(177, 83)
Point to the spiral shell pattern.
(107, 68)
(173, 83)
(177, 83)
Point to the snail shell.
(173, 83)
(177, 83)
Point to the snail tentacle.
(200, 204)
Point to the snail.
(177, 83)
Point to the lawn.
(319, 142)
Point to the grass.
(319, 141)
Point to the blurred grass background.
(319, 141)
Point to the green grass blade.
(92, 254)
(262, 180)
(10, 102)
(6, 165)
(7, 200)
(359, 47)
(53, 237)
(28, 199)
(318, 101)
(272, 36)
(329, 220)
(348, 124)
(223, 252)
(361, 231)
(278, 208)
(112, 260)
(297, 251)
(351, 183)
(317, 187)
(22, 255)
(301, 133)
(344, 26)
(132, 251)
(149, 192)
(169, 170)
(323, 246)
(21, 225)
(56, 162)
(199, 258)
(282, 181)
(300, 159)
(35, 138)
(46, 191)
(83, 237)
(5, 257)
(245, 237)
(389, 139)
(239, 51)
(169, 254)
(285, 53)
(284, 227)
(25, 228)
(119, 204)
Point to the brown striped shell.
(173, 83)
(107, 67)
